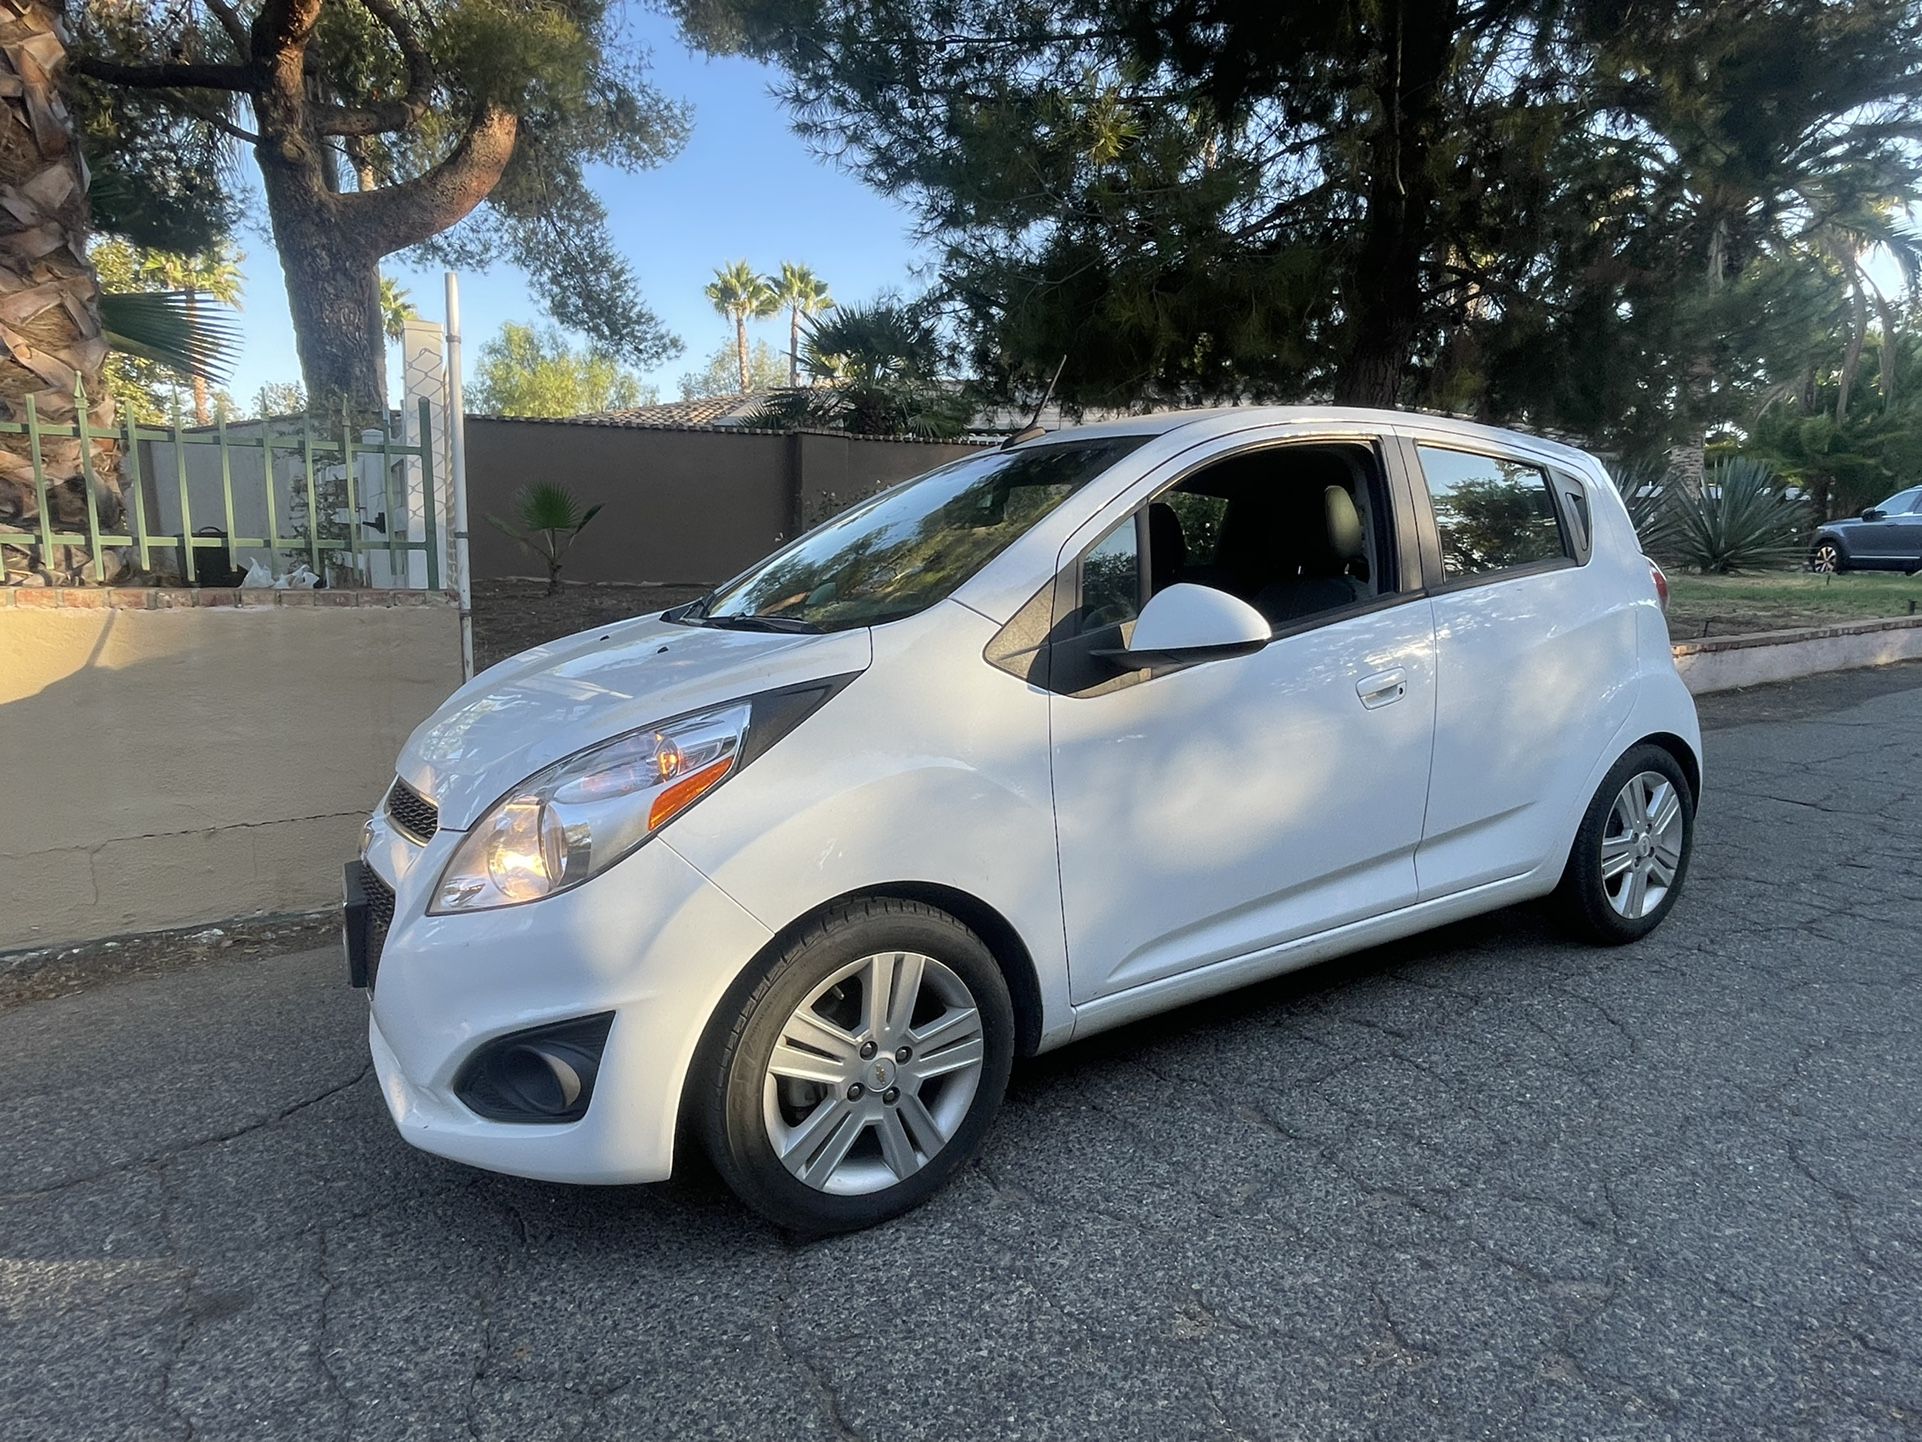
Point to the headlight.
(587, 811)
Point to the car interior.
(1295, 530)
(1292, 530)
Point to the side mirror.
(1187, 622)
(1871, 513)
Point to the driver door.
(1217, 810)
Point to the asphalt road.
(1483, 1184)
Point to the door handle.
(1382, 688)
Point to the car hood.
(534, 708)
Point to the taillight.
(1661, 584)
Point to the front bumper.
(651, 940)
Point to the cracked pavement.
(1484, 1183)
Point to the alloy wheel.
(1642, 844)
(873, 1073)
(1826, 558)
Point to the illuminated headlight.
(587, 811)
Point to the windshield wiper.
(761, 623)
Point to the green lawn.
(1770, 601)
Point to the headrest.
(1344, 524)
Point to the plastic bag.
(301, 578)
(258, 578)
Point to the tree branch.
(387, 115)
(231, 22)
(397, 216)
(166, 75)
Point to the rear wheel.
(1632, 851)
(861, 1068)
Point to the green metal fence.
(244, 460)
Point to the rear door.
(1535, 657)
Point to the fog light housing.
(543, 1074)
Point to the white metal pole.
(457, 466)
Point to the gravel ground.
(1482, 1184)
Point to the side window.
(1493, 514)
(1111, 579)
(1906, 504)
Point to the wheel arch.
(1683, 753)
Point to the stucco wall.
(180, 756)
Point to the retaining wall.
(178, 756)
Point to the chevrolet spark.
(1052, 738)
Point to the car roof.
(1224, 420)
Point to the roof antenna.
(1034, 427)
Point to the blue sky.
(744, 186)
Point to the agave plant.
(1737, 519)
(1644, 489)
(549, 518)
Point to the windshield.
(911, 546)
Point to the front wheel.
(860, 1069)
(1632, 851)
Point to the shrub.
(1737, 519)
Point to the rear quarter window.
(1492, 514)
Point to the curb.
(1723, 663)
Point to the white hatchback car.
(1055, 737)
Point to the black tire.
(1583, 896)
(1827, 557)
(731, 1073)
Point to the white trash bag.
(301, 578)
(258, 578)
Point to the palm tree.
(741, 294)
(396, 309)
(214, 273)
(802, 293)
(52, 344)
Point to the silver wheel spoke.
(816, 1169)
(819, 1143)
(1667, 806)
(810, 1029)
(1660, 873)
(955, 1024)
(928, 1065)
(921, 1126)
(1618, 854)
(896, 1150)
(1635, 891)
(907, 991)
(799, 1065)
(1669, 854)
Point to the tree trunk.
(335, 301)
(50, 332)
(740, 348)
(793, 346)
(1383, 298)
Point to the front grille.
(412, 812)
(380, 916)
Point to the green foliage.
(741, 293)
(721, 376)
(396, 309)
(164, 155)
(1643, 485)
(1875, 448)
(1624, 222)
(159, 339)
(1738, 519)
(525, 371)
(874, 370)
(547, 520)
